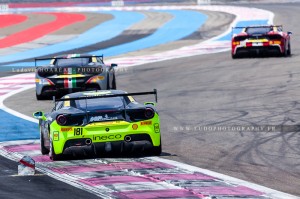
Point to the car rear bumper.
(272, 49)
(114, 147)
(52, 90)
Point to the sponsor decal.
(55, 135)
(131, 99)
(106, 137)
(67, 103)
(77, 131)
(69, 82)
(135, 126)
(156, 128)
(102, 118)
(73, 55)
(97, 93)
(144, 123)
(65, 129)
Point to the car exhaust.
(127, 138)
(88, 141)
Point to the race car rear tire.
(289, 51)
(157, 150)
(234, 56)
(44, 150)
(53, 156)
(40, 97)
(285, 52)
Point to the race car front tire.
(44, 150)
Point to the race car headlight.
(95, 79)
(61, 120)
(149, 113)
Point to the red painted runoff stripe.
(165, 193)
(181, 176)
(20, 148)
(114, 179)
(62, 20)
(11, 19)
(88, 168)
(112, 167)
(42, 158)
(229, 191)
(141, 165)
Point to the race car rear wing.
(258, 26)
(234, 30)
(49, 58)
(154, 92)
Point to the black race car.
(72, 73)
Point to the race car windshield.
(100, 103)
(74, 62)
(258, 30)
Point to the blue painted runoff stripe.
(183, 24)
(15, 128)
(242, 24)
(102, 32)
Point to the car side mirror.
(289, 33)
(39, 115)
(114, 65)
(150, 103)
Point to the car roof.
(94, 93)
(74, 55)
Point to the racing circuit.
(198, 85)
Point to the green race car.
(99, 122)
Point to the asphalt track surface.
(37, 186)
(216, 90)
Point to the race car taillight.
(44, 81)
(275, 42)
(149, 113)
(95, 79)
(235, 43)
(61, 120)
